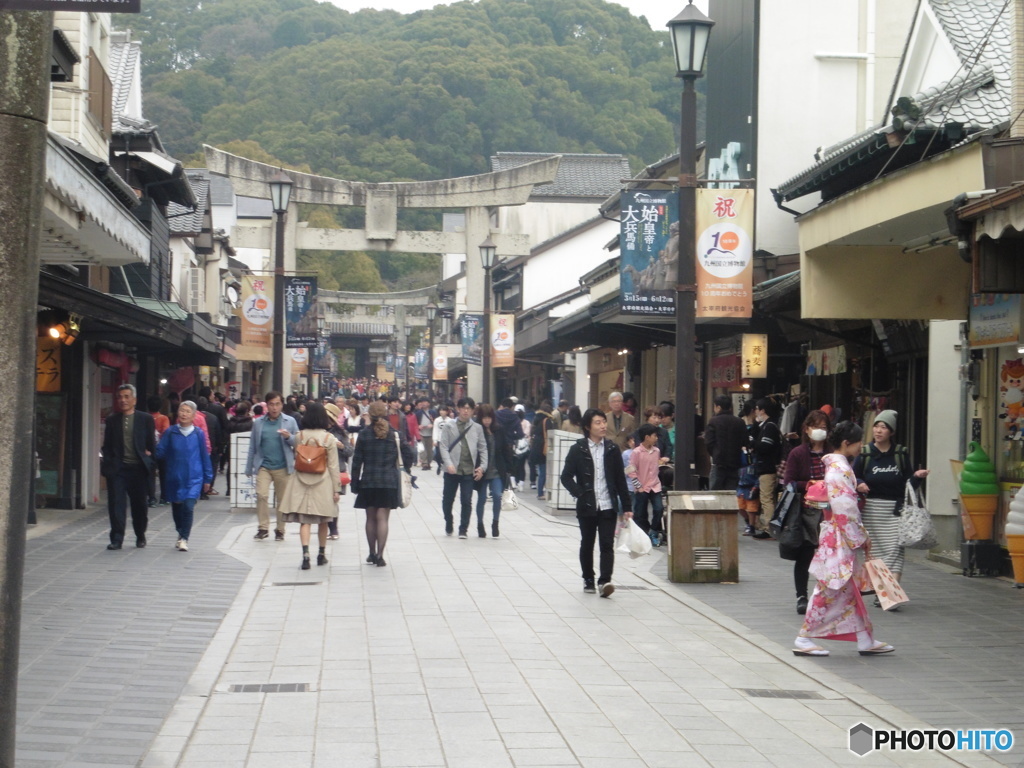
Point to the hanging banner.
(440, 364)
(648, 252)
(421, 366)
(323, 362)
(754, 356)
(400, 368)
(48, 364)
(300, 312)
(257, 319)
(389, 362)
(725, 252)
(725, 371)
(98, 6)
(300, 362)
(503, 335)
(826, 362)
(471, 330)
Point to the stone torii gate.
(477, 195)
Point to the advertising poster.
(323, 362)
(440, 364)
(300, 362)
(471, 331)
(421, 366)
(300, 325)
(725, 252)
(257, 319)
(648, 252)
(503, 336)
(400, 368)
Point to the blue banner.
(471, 329)
(400, 368)
(421, 365)
(389, 362)
(300, 312)
(648, 252)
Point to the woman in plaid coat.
(375, 479)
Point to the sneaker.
(177, 544)
(183, 545)
(749, 530)
(606, 589)
(655, 539)
(278, 535)
(761, 535)
(588, 587)
(462, 535)
(261, 534)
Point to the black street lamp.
(280, 196)
(488, 250)
(690, 31)
(408, 333)
(321, 324)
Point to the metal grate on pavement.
(269, 688)
(780, 693)
(295, 583)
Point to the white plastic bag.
(632, 540)
(509, 502)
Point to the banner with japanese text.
(48, 368)
(503, 341)
(300, 312)
(648, 252)
(471, 330)
(754, 355)
(324, 362)
(399, 367)
(725, 252)
(421, 364)
(257, 319)
(440, 363)
(389, 362)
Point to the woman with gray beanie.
(883, 470)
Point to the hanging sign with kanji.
(648, 253)
(755, 356)
(725, 252)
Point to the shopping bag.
(632, 540)
(509, 502)
(790, 497)
(917, 531)
(887, 589)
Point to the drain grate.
(295, 583)
(270, 688)
(632, 587)
(778, 693)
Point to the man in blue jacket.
(272, 459)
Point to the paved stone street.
(472, 653)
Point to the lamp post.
(280, 196)
(321, 323)
(487, 252)
(690, 31)
(408, 333)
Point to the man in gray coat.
(463, 448)
(272, 459)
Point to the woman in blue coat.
(189, 471)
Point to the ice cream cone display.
(979, 491)
(1015, 536)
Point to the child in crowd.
(642, 472)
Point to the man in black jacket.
(768, 453)
(725, 437)
(596, 478)
(129, 442)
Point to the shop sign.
(503, 348)
(257, 319)
(648, 252)
(725, 371)
(995, 319)
(440, 364)
(471, 330)
(725, 252)
(755, 356)
(48, 364)
(826, 362)
(97, 6)
(300, 312)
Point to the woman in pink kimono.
(837, 611)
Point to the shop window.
(101, 94)
(1000, 265)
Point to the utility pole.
(24, 101)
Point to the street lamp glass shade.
(281, 192)
(487, 252)
(431, 312)
(408, 331)
(690, 31)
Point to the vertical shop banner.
(48, 364)
(725, 371)
(725, 252)
(257, 319)
(421, 366)
(440, 364)
(754, 355)
(323, 362)
(648, 253)
(300, 325)
(300, 362)
(471, 330)
(389, 362)
(503, 341)
(399, 367)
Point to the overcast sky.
(658, 12)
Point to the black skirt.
(384, 498)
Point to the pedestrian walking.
(311, 498)
(464, 456)
(153, 405)
(444, 415)
(595, 476)
(129, 441)
(644, 462)
(768, 453)
(188, 467)
(345, 451)
(725, 437)
(375, 478)
(542, 424)
(836, 610)
(425, 416)
(621, 424)
(499, 460)
(272, 459)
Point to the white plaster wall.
(943, 414)
(544, 220)
(559, 268)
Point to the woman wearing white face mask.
(803, 466)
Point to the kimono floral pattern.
(836, 610)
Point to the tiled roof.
(578, 175)
(182, 221)
(221, 191)
(977, 96)
(123, 69)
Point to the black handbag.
(789, 497)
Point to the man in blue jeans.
(463, 448)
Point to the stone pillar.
(478, 227)
(24, 101)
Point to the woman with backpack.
(883, 470)
(313, 490)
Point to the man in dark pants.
(463, 448)
(595, 476)
(725, 437)
(129, 440)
